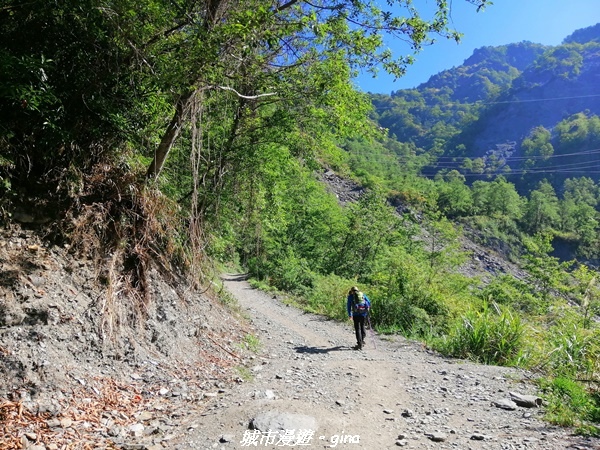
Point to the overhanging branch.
(247, 97)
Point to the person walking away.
(358, 306)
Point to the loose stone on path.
(282, 421)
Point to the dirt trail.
(393, 394)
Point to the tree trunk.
(214, 11)
(160, 155)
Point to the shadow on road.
(315, 350)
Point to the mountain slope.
(497, 98)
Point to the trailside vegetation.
(187, 134)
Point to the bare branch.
(247, 97)
(165, 34)
(338, 7)
(286, 5)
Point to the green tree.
(547, 272)
(291, 38)
(537, 147)
(578, 132)
(478, 165)
(442, 248)
(542, 209)
(564, 61)
(497, 198)
(480, 192)
(504, 200)
(372, 227)
(64, 99)
(454, 198)
(581, 190)
(88, 76)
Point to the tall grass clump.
(572, 351)
(417, 315)
(570, 404)
(570, 362)
(492, 335)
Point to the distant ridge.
(497, 98)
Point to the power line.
(518, 172)
(523, 158)
(450, 163)
(583, 164)
(584, 168)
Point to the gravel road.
(77, 372)
(307, 388)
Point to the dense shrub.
(510, 291)
(328, 296)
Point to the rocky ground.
(309, 385)
(202, 373)
(86, 367)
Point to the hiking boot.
(357, 347)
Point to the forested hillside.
(522, 111)
(505, 97)
(500, 108)
(180, 137)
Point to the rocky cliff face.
(73, 352)
(561, 83)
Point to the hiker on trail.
(358, 306)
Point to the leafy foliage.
(452, 122)
(174, 132)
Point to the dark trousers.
(359, 328)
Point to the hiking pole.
(372, 332)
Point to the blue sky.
(545, 22)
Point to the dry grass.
(126, 226)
